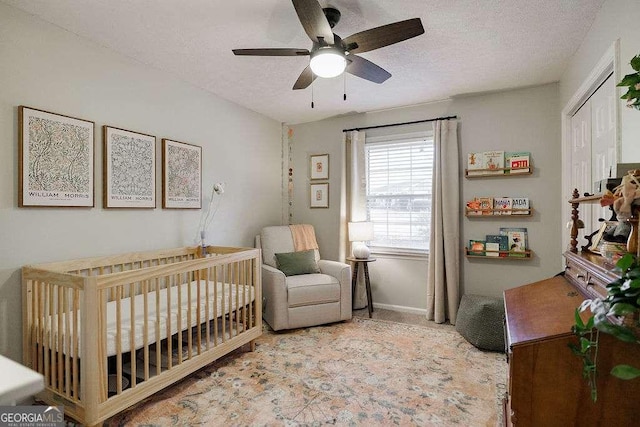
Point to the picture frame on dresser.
(181, 175)
(129, 169)
(56, 160)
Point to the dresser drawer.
(590, 280)
(576, 274)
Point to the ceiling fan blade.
(272, 52)
(306, 78)
(313, 21)
(385, 35)
(363, 68)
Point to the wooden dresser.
(545, 385)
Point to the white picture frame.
(319, 195)
(319, 166)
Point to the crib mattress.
(227, 301)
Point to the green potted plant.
(632, 82)
(617, 314)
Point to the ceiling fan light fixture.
(328, 62)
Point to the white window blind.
(399, 173)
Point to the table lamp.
(361, 232)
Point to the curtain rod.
(400, 124)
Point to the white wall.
(525, 120)
(47, 68)
(617, 19)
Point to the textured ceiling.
(469, 46)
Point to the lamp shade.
(361, 231)
(327, 62)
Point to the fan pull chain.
(344, 94)
(311, 93)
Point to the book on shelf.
(486, 205)
(493, 162)
(520, 203)
(517, 239)
(517, 161)
(502, 206)
(496, 242)
(473, 207)
(476, 247)
(475, 161)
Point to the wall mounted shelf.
(498, 213)
(506, 255)
(491, 173)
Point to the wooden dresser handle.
(580, 276)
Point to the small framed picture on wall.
(319, 195)
(319, 164)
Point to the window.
(399, 171)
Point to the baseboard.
(401, 308)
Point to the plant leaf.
(579, 322)
(630, 80)
(589, 324)
(625, 372)
(635, 63)
(625, 262)
(621, 308)
(620, 332)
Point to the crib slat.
(59, 347)
(35, 320)
(179, 318)
(157, 344)
(145, 331)
(207, 309)
(223, 299)
(216, 312)
(229, 309)
(132, 333)
(102, 373)
(119, 291)
(169, 340)
(74, 337)
(189, 314)
(67, 343)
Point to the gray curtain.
(353, 201)
(444, 247)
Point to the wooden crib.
(108, 332)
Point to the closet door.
(603, 136)
(581, 159)
(593, 149)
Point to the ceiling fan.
(332, 55)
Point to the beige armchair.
(301, 300)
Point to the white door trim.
(609, 63)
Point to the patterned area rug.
(363, 372)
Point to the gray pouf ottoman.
(480, 321)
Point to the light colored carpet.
(363, 372)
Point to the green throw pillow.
(294, 263)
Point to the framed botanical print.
(181, 175)
(319, 195)
(319, 164)
(129, 169)
(55, 160)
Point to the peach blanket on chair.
(304, 237)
